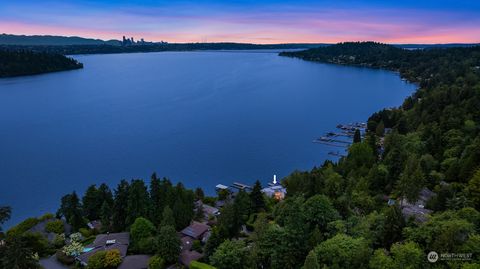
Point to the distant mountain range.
(49, 40)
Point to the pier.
(241, 186)
(345, 130)
(336, 154)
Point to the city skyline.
(248, 21)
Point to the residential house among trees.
(196, 231)
(105, 242)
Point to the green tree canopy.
(229, 255)
(168, 244)
(343, 251)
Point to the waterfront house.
(119, 241)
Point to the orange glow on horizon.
(322, 31)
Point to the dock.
(345, 130)
(241, 186)
(336, 154)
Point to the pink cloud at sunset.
(284, 24)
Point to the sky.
(248, 21)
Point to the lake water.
(201, 118)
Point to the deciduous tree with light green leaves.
(343, 251)
(319, 211)
(230, 255)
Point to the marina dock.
(345, 130)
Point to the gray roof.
(120, 238)
(195, 230)
(210, 210)
(118, 241)
(187, 242)
(135, 262)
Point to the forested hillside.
(24, 62)
(433, 144)
(410, 187)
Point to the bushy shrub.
(55, 226)
(105, 259)
(76, 237)
(59, 241)
(89, 240)
(73, 249)
(63, 258)
(156, 262)
(97, 260)
(145, 246)
(85, 232)
(112, 258)
(141, 228)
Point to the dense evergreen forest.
(410, 187)
(154, 47)
(25, 62)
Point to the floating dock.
(241, 186)
(346, 130)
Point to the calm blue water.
(202, 118)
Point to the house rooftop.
(135, 262)
(221, 187)
(187, 242)
(119, 241)
(195, 230)
(210, 210)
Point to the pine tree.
(411, 180)
(258, 201)
(76, 219)
(120, 206)
(91, 203)
(5, 213)
(393, 226)
(106, 216)
(168, 244)
(357, 137)
(199, 195)
(157, 200)
(105, 194)
(138, 203)
(167, 217)
(311, 262)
